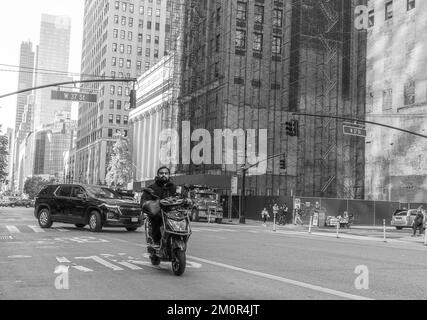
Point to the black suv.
(82, 204)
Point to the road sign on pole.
(354, 131)
(73, 96)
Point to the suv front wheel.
(45, 220)
(95, 221)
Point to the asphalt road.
(225, 262)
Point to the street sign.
(73, 96)
(297, 204)
(354, 131)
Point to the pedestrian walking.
(264, 216)
(298, 217)
(418, 222)
(282, 213)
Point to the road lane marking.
(285, 280)
(129, 265)
(103, 262)
(13, 229)
(62, 260)
(18, 256)
(62, 230)
(35, 228)
(81, 268)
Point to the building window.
(139, 50)
(411, 4)
(157, 26)
(147, 52)
(114, 47)
(123, 21)
(156, 55)
(148, 40)
(130, 35)
(277, 18)
(116, 19)
(125, 119)
(389, 10)
(131, 8)
(241, 11)
(129, 49)
(387, 99)
(127, 91)
(124, 6)
(115, 33)
(110, 132)
(128, 63)
(122, 48)
(111, 104)
(112, 89)
(118, 118)
(140, 23)
(257, 42)
(149, 25)
(110, 118)
(122, 34)
(156, 40)
(113, 74)
(119, 90)
(149, 11)
(113, 61)
(147, 66)
(157, 12)
(141, 9)
(241, 39)
(277, 45)
(117, 5)
(119, 104)
(130, 22)
(259, 14)
(121, 63)
(371, 18)
(409, 92)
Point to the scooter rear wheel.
(179, 262)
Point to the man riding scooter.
(162, 188)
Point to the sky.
(20, 21)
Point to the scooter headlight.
(178, 225)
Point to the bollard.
(311, 221)
(338, 228)
(274, 222)
(384, 230)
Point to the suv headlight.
(112, 211)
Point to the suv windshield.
(102, 193)
(205, 196)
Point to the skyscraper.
(121, 39)
(52, 66)
(25, 79)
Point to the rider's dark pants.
(156, 222)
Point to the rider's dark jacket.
(161, 189)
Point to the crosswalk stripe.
(36, 229)
(63, 230)
(13, 229)
(129, 265)
(81, 268)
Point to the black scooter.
(175, 232)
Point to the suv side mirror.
(81, 196)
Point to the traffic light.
(132, 99)
(282, 164)
(292, 128)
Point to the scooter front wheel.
(179, 262)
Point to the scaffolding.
(316, 71)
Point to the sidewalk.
(373, 233)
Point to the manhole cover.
(6, 237)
